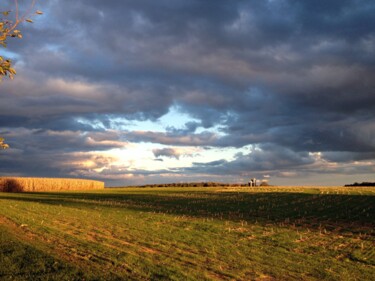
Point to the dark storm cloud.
(171, 153)
(62, 141)
(296, 75)
(266, 158)
(189, 128)
(347, 156)
(166, 152)
(269, 161)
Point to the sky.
(133, 92)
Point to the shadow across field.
(10, 185)
(330, 211)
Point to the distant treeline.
(362, 184)
(198, 184)
(193, 184)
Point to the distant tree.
(264, 183)
(9, 22)
(361, 184)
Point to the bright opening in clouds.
(137, 92)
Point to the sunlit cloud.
(134, 92)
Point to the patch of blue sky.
(120, 124)
(94, 124)
(131, 125)
(6, 54)
(175, 118)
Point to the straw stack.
(18, 184)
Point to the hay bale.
(20, 184)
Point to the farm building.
(253, 182)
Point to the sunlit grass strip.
(20, 184)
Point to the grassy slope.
(190, 234)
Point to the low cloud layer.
(291, 79)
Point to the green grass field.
(268, 233)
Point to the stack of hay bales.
(18, 184)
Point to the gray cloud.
(347, 157)
(42, 141)
(267, 158)
(172, 153)
(167, 152)
(291, 75)
(201, 139)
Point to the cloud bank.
(286, 85)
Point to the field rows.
(196, 233)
